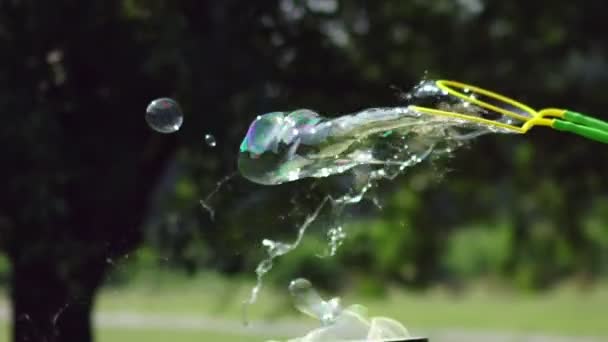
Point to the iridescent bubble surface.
(164, 115)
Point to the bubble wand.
(520, 118)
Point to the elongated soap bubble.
(286, 146)
(164, 115)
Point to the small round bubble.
(210, 140)
(164, 115)
(300, 286)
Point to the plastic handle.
(585, 131)
(585, 120)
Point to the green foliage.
(4, 270)
(595, 231)
(478, 251)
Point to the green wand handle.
(583, 125)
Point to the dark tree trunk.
(53, 303)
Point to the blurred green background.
(100, 221)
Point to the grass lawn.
(565, 311)
(134, 335)
(150, 335)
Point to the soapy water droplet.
(336, 236)
(309, 302)
(59, 313)
(164, 115)
(276, 248)
(210, 140)
(206, 202)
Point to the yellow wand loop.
(520, 118)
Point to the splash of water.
(210, 140)
(205, 203)
(286, 146)
(275, 249)
(341, 324)
(336, 236)
(308, 301)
